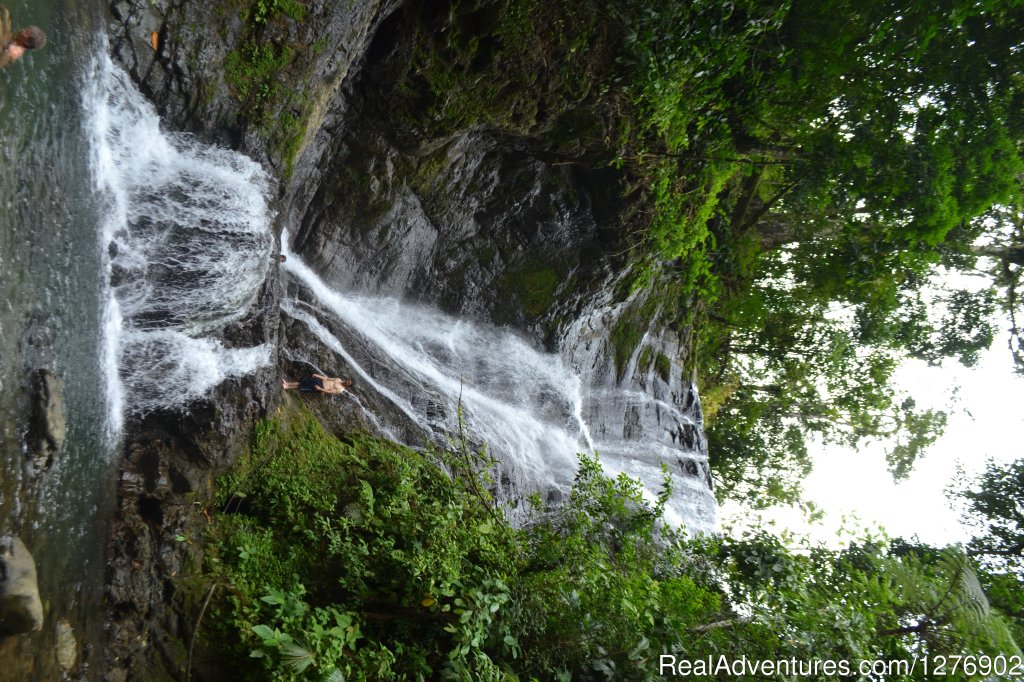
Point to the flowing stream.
(52, 282)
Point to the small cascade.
(522, 403)
(647, 418)
(531, 410)
(187, 243)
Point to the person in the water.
(318, 383)
(14, 46)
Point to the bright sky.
(985, 421)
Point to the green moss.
(663, 366)
(424, 176)
(535, 289)
(287, 137)
(576, 128)
(293, 9)
(255, 74)
(486, 254)
(625, 337)
(251, 71)
(643, 363)
(629, 330)
(648, 356)
(263, 11)
(488, 65)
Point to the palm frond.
(334, 676)
(296, 656)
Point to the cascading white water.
(526, 405)
(187, 243)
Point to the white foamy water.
(526, 405)
(187, 243)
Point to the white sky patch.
(986, 422)
(853, 487)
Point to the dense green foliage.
(361, 559)
(995, 507)
(873, 136)
(812, 164)
(364, 557)
(358, 556)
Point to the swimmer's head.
(31, 38)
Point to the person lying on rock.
(318, 383)
(12, 47)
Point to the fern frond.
(334, 676)
(296, 656)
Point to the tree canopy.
(867, 147)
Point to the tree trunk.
(1007, 253)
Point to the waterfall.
(186, 244)
(526, 405)
(523, 404)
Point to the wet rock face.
(496, 223)
(646, 410)
(173, 73)
(188, 76)
(362, 408)
(169, 461)
(21, 609)
(481, 224)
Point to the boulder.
(20, 607)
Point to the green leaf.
(274, 597)
(264, 632)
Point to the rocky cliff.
(499, 214)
